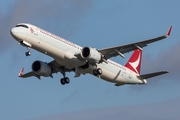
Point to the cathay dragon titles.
(69, 57)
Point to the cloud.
(156, 111)
(63, 16)
(168, 59)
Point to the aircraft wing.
(29, 74)
(120, 50)
(56, 67)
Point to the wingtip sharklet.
(169, 31)
(21, 72)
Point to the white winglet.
(21, 72)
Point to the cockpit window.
(25, 26)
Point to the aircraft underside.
(69, 57)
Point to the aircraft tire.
(27, 53)
(99, 71)
(67, 80)
(95, 72)
(62, 81)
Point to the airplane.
(70, 57)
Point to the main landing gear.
(64, 80)
(97, 71)
(28, 53)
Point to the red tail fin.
(134, 62)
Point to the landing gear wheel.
(99, 71)
(62, 81)
(66, 79)
(28, 53)
(95, 72)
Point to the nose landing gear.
(27, 45)
(28, 53)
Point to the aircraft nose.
(13, 32)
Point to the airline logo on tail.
(134, 62)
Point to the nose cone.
(13, 32)
(18, 34)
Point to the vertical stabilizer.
(134, 62)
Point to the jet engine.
(91, 54)
(41, 68)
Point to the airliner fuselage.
(68, 56)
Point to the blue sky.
(99, 24)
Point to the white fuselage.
(64, 51)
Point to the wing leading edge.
(29, 74)
(120, 50)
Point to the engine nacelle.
(41, 68)
(91, 55)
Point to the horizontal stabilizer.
(150, 75)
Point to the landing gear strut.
(64, 80)
(97, 71)
(28, 53)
